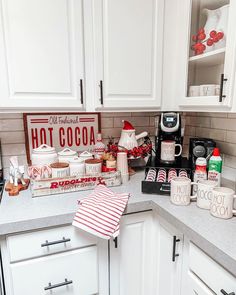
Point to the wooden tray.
(52, 186)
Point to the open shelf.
(208, 59)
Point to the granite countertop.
(217, 237)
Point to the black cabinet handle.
(222, 80)
(46, 244)
(81, 91)
(225, 293)
(101, 91)
(174, 255)
(50, 286)
(116, 242)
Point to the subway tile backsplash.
(218, 126)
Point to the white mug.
(207, 90)
(204, 193)
(194, 90)
(180, 191)
(222, 202)
(168, 150)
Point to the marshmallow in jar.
(66, 155)
(43, 155)
(77, 166)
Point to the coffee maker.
(168, 128)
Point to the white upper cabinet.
(41, 54)
(128, 53)
(205, 71)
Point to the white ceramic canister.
(66, 155)
(60, 170)
(93, 166)
(77, 166)
(85, 155)
(43, 155)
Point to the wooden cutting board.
(15, 190)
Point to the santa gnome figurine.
(128, 139)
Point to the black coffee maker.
(168, 128)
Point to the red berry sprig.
(140, 151)
(200, 38)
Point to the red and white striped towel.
(100, 212)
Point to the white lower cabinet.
(132, 256)
(202, 275)
(61, 260)
(169, 260)
(149, 257)
(71, 273)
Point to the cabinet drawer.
(210, 272)
(70, 273)
(49, 241)
(197, 287)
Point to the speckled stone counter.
(215, 236)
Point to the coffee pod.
(151, 175)
(161, 176)
(172, 174)
(183, 173)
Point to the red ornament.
(201, 36)
(215, 39)
(210, 42)
(194, 38)
(213, 34)
(201, 31)
(220, 35)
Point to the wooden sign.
(78, 131)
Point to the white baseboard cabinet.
(149, 257)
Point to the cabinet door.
(206, 77)
(131, 260)
(128, 44)
(169, 260)
(41, 54)
(197, 287)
